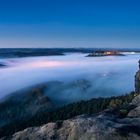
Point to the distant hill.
(24, 104)
(28, 52)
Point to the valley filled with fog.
(70, 77)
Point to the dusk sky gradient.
(70, 23)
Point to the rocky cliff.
(107, 125)
(137, 80)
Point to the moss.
(123, 112)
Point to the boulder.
(94, 127)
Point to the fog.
(81, 77)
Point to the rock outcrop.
(107, 125)
(104, 126)
(137, 80)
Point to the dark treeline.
(25, 52)
(94, 105)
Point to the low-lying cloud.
(103, 76)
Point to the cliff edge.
(137, 80)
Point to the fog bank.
(103, 76)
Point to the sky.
(69, 23)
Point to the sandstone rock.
(135, 112)
(137, 80)
(136, 101)
(94, 127)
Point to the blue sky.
(70, 23)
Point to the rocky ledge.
(107, 125)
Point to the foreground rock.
(104, 126)
(112, 124)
